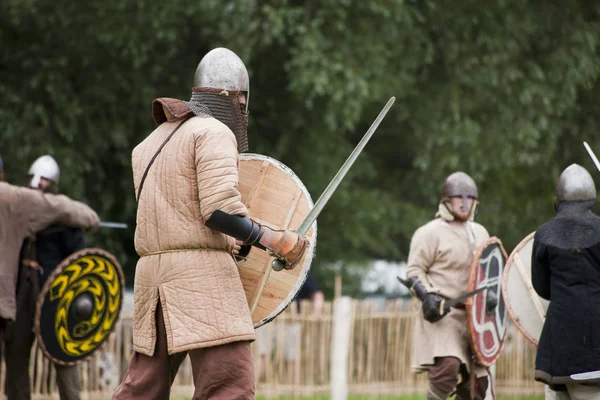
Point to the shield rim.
(469, 303)
(509, 262)
(310, 252)
(44, 291)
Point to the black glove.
(432, 304)
(433, 307)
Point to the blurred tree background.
(504, 91)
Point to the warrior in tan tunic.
(441, 253)
(189, 299)
(40, 255)
(23, 212)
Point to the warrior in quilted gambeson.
(191, 224)
(439, 262)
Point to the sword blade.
(591, 153)
(337, 179)
(583, 376)
(116, 225)
(463, 297)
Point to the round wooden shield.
(526, 309)
(276, 197)
(486, 311)
(79, 306)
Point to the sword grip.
(285, 245)
(413, 284)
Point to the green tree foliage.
(504, 91)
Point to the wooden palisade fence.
(293, 357)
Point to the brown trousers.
(223, 372)
(18, 340)
(443, 380)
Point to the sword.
(591, 153)
(277, 264)
(451, 303)
(583, 376)
(116, 225)
(57, 228)
(447, 304)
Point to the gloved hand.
(433, 307)
(286, 245)
(240, 250)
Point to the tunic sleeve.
(422, 256)
(217, 162)
(40, 210)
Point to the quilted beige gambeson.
(441, 256)
(186, 265)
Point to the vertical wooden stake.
(338, 286)
(342, 313)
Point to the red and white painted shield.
(486, 311)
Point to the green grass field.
(416, 397)
(413, 397)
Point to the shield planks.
(276, 197)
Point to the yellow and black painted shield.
(79, 306)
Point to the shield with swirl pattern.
(79, 306)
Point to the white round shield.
(276, 197)
(526, 309)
